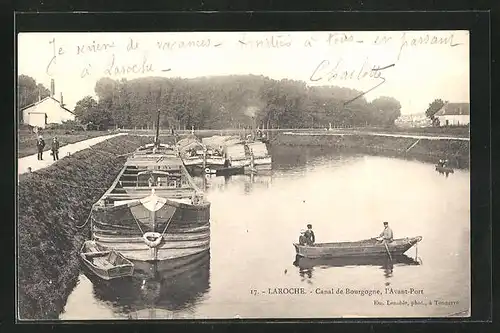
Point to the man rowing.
(386, 234)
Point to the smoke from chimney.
(52, 88)
(251, 111)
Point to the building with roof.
(454, 114)
(47, 111)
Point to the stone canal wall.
(429, 149)
(53, 206)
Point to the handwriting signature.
(324, 71)
(374, 87)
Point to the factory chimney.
(52, 88)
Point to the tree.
(237, 100)
(386, 110)
(28, 92)
(434, 107)
(88, 111)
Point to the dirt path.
(32, 162)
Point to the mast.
(157, 135)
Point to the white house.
(47, 111)
(454, 114)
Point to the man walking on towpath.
(55, 148)
(40, 145)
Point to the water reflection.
(262, 180)
(345, 196)
(179, 287)
(286, 158)
(306, 266)
(444, 172)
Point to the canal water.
(252, 271)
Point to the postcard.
(252, 175)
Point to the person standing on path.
(40, 145)
(55, 149)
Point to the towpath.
(397, 135)
(32, 161)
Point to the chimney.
(62, 102)
(52, 88)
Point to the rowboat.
(173, 288)
(107, 265)
(368, 247)
(442, 169)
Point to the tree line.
(230, 102)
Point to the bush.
(69, 125)
(52, 203)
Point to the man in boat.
(310, 235)
(218, 151)
(302, 238)
(443, 163)
(386, 234)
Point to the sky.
(415, 67)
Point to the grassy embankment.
(27, 140)
(456, 131)
(456, 151)
(52, 202)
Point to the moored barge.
(154, 211)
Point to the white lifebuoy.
(207, 170)
(152, 239)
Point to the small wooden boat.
(107, 265)
(443, 169)
(368, 247)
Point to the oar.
(387, 249)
